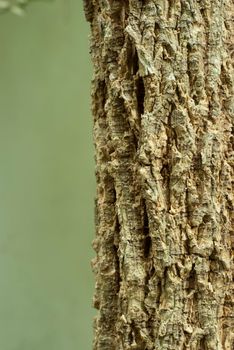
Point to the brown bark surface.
(162, 99)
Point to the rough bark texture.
(164, 135)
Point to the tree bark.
(162, 102)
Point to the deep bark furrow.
(163, 132)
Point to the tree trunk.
(162, 101)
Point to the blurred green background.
(47, 182)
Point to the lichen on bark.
(162, 102)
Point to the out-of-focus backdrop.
(47, 182)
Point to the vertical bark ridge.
(106, 263)
(163, 132)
